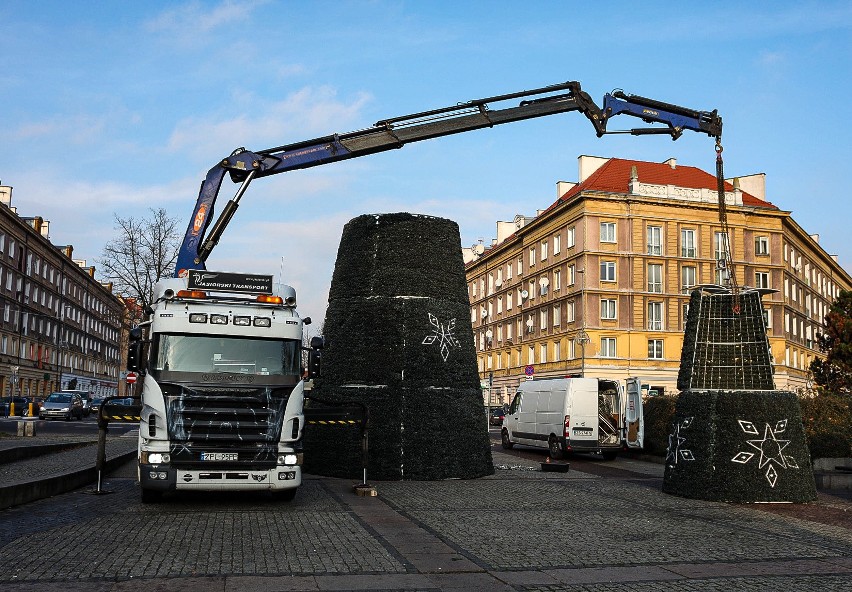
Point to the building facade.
(598, 283)
(60, 328)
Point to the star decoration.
(770, 447)
(443, 334)
(674, 451)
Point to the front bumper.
(166, 478)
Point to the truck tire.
(505, 442)
(151, 496)
(554, 448)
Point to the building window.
(571, 272)
(570, 242)
(520, 265)
(509, 300)
(608, 232)
(569, 311)
(608, 309)
(607, 271)
(532, 256)
(543, 250)
(655, 349)
(655, 240)
(556, 352)
(720, 246)
(655, 316)
(557, 244)
(687, 278)
(761, 245)
(557, 279)
(530, 355)
(687, 243)
(608, 347)
(761, 279)
(655, 278)
(543, 353)
(542, 319)
(557, 315)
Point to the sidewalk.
(519, 530)
(36, 467)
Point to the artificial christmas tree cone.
(734, 437)
(399, 339)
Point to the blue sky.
(115, 107)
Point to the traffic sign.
(529, 370)
(131, 377)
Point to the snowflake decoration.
(770, 447)
(443, 334)
(674, 451)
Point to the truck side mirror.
(134, 350)
(315, 357)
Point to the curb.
(17, 453)
(22, 493)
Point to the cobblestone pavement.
(521, 529)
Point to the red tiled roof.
(614, 176)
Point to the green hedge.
(399, 339)
(828, 424)
(658, 413)
(739, 446)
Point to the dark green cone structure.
(734, 438)
(399, 339)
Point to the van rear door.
(634, 420)
(583, 409)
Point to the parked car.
(95, 405)
(22, 406)
(62, 405)
(496, 417)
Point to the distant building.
(598, 283)
(59, 326)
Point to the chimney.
(815, 238)
(563, 187)
(672, 162)
(634, 179)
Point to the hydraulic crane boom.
(244, 166)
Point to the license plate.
(219, 456)
(583, 431)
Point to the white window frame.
(655, 316)
(609, 309)
(761, 279)
(608, 232)
(761, 245)
(655, 278)
(570, 236)
(609, 347)
(655, 349)
(655, 240)
(687, 243)
(685, 284)
(606, 268)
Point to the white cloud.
(196, 17)
(309, 111)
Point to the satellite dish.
(498, 283)
(544, 282)
(484, 313)
(489, 334)
(524, 294)
(529, 322)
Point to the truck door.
(512, 417)
(634, 421)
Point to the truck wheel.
(151, 496)
(505, 442)
(555, 448)
(286, 495)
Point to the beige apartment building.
(598, 283)
(60, 328)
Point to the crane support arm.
(243, 166)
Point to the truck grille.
(209, 420)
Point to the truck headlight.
(287, 459)
(156, 458)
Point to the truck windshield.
(240, 355)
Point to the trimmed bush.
(827, 418)
(399, 339)
(741, 446)
(658, 413)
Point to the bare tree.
(143, 251)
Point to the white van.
(575, 415)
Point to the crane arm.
(243, 166)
